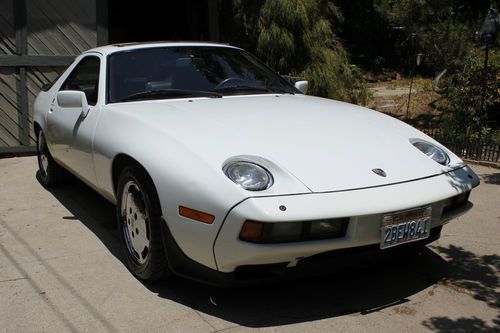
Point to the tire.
(51, 173)
(139, 225)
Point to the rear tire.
(51, 173)
(139, 225)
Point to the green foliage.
(445, 29)
(448, 32)
(239, 20)
(473, 96)
(296, 37)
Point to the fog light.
(328, 228)
(284, 232)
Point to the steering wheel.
(229, 82)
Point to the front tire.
(51, 173)
(139, 225)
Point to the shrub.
(473, 96)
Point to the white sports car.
(224, 172)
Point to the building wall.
(38, 38)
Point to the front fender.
(180, 178)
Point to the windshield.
(199, 71)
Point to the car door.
(70, 130)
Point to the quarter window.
(85, 77)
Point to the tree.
(296, 37)
(371, 41)
(446, 30)
(472, 97)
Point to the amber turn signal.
(196, 215)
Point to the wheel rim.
(135, 227)
(42, 155)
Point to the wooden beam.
(20, 27)
(23, 107)
(35, 60)
(20, 15)
(17, 151)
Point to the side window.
(85, 77)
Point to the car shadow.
(364, 289)
(361, 290)
(91, 209)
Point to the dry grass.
(423, 110)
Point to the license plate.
(406, 226)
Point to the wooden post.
(20, 26)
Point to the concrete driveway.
(61, 270)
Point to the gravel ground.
(61, 270)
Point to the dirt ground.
(391, 97)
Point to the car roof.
(109, 49)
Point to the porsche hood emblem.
(379, 172)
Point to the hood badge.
(379, 172)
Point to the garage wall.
(38, 39)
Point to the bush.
(473, 96)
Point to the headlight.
(250, 176)
(433, 151)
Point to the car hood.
(327, 145)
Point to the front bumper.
(241, 262)
(364, 208)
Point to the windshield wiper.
(238, 88)
(171, 93)
(242, 88)
(282, 91)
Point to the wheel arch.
(121, 161)
(36, 127)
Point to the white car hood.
(327, 145)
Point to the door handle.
(52, 104)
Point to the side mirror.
(73, 99)
(302, 86)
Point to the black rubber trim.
(320, 264)
(181, 265)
